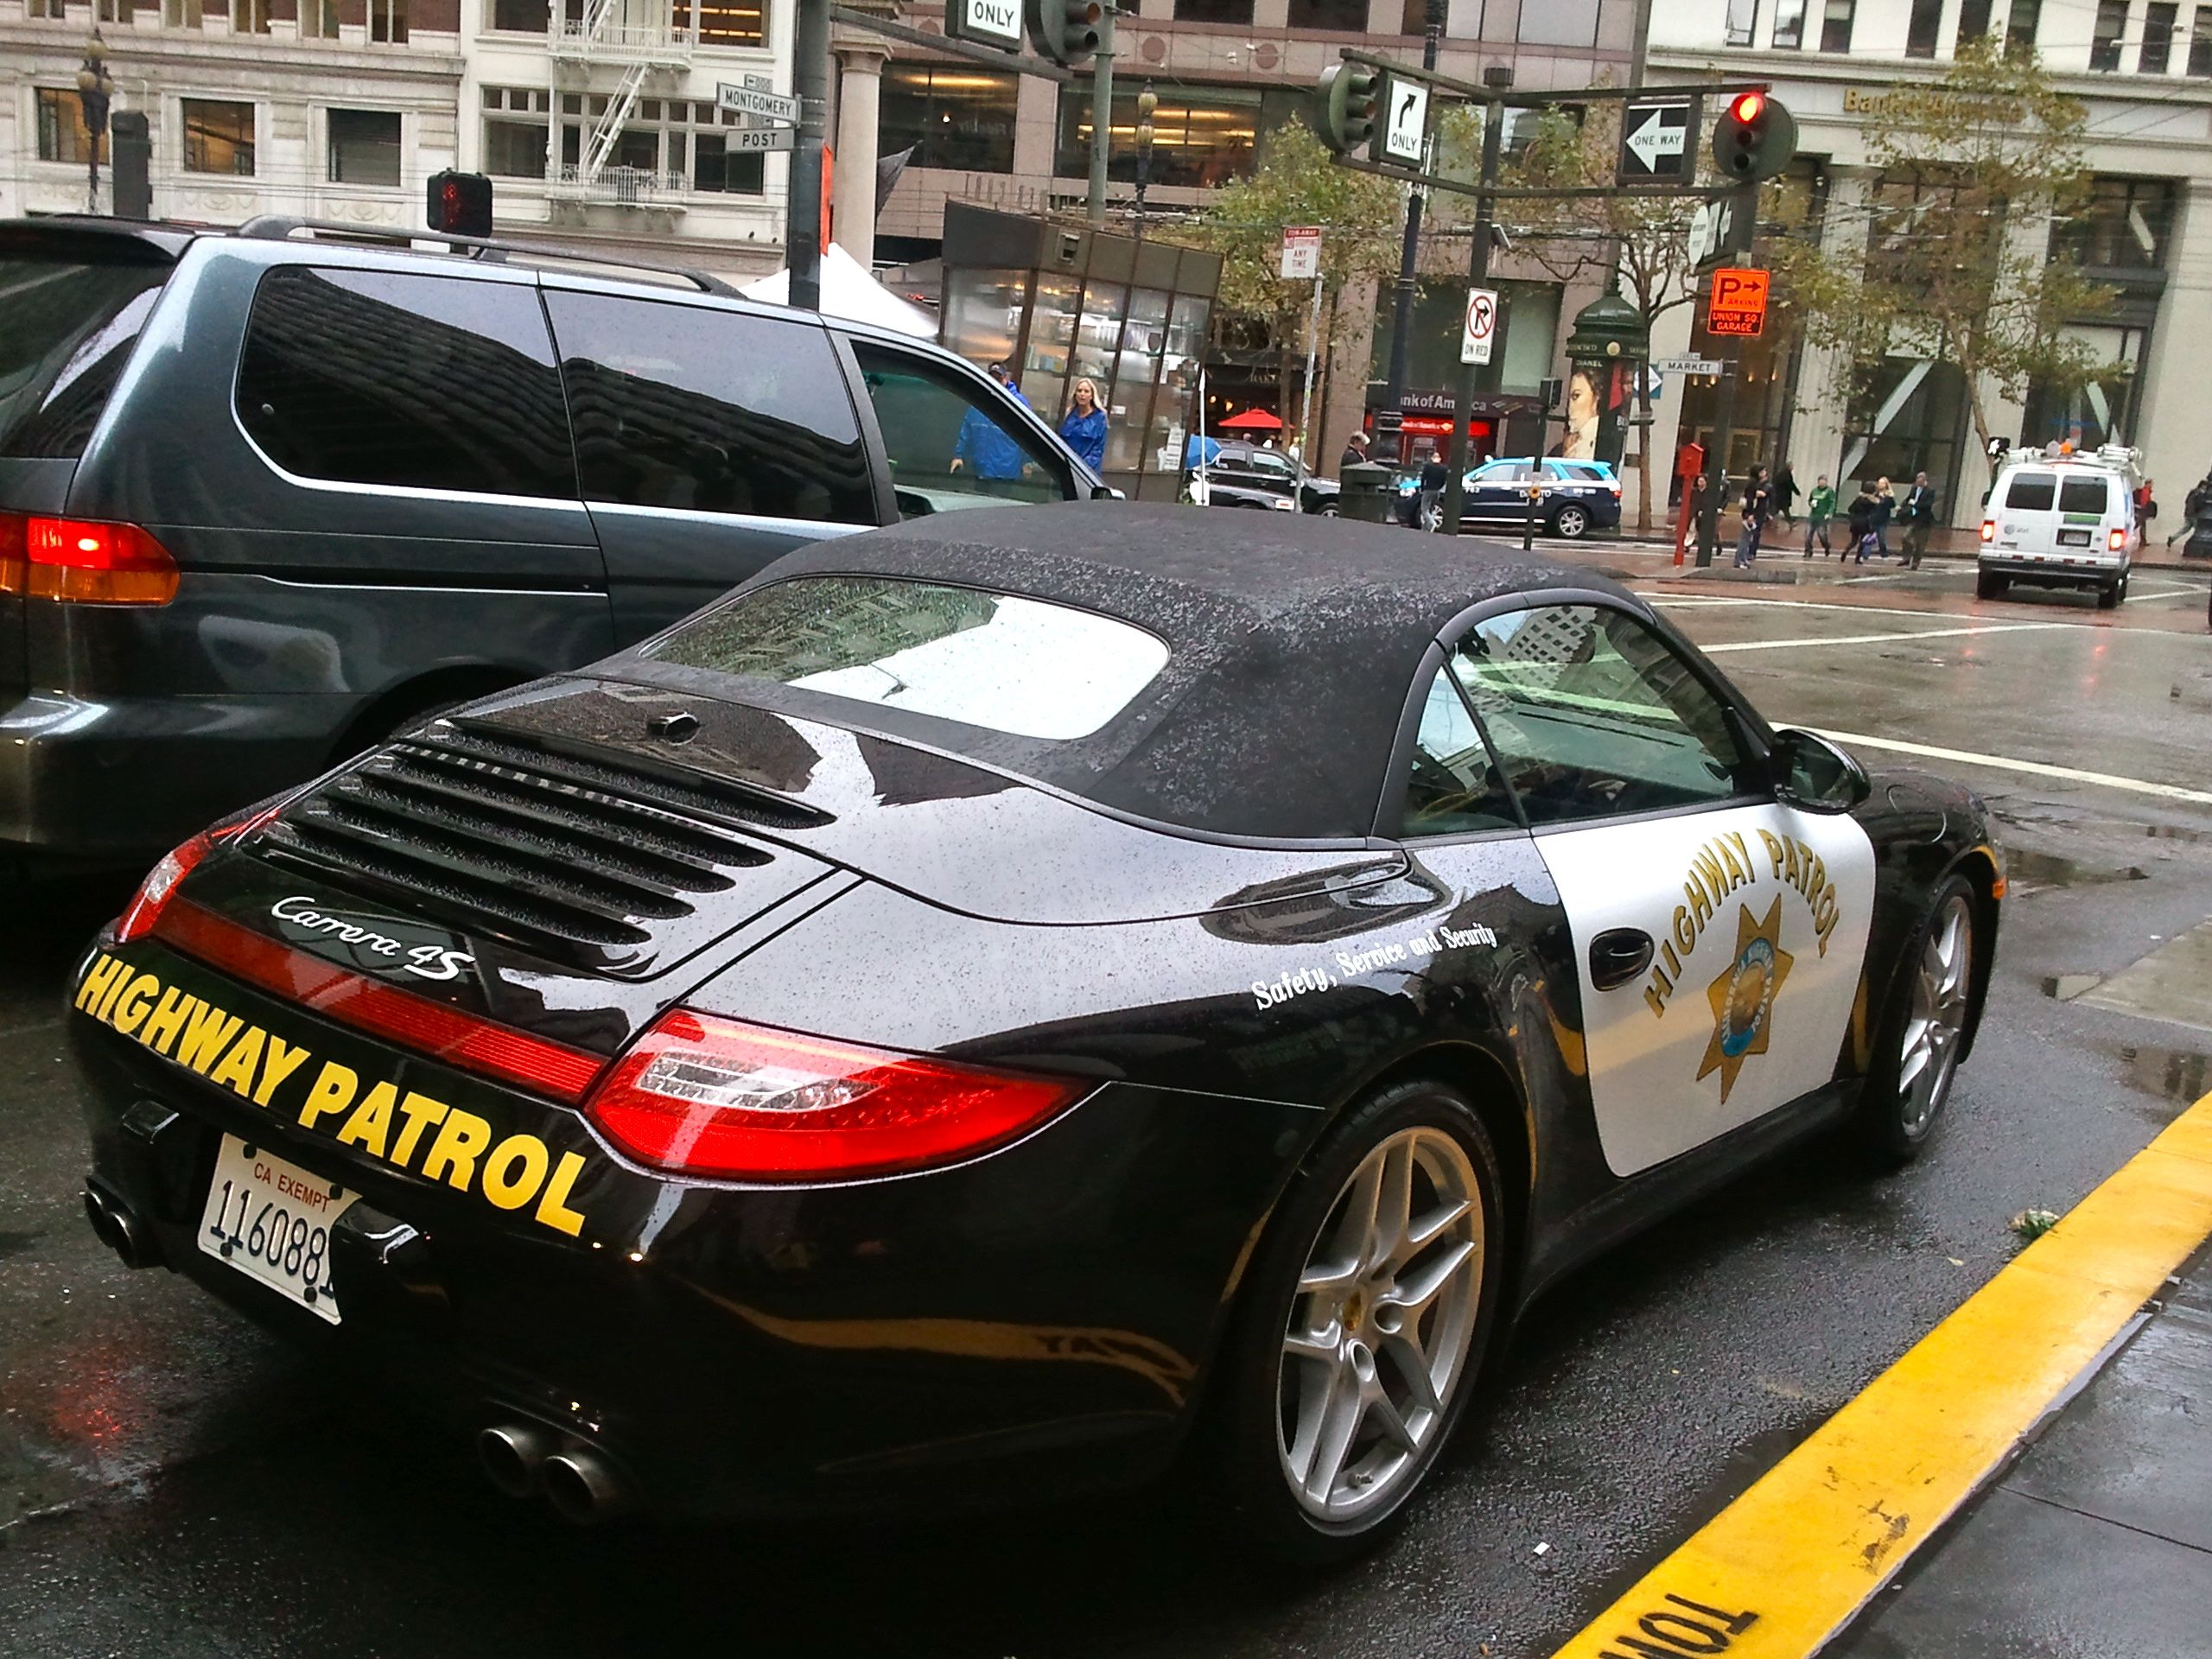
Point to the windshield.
(66, 326)
(999, 661)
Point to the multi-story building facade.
(2144, 68)
(1226, 73)
(596, 118)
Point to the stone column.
(860, 98)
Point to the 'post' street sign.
(1654, 141)
(988, 22)
(755, 100)
(1404, 120)
(1480, 332)
(743, 139)
(1737, 302)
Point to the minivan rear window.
(66, 328)
(2082, 495)
(2033, 491)
(1026, 667)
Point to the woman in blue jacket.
(1084, 428)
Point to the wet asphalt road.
(174, 1482)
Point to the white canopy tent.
(848, 291)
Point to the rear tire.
(1917, 1050)
(2109, 596)
(1571, 522)
(1363, 1329)
(1989, 585)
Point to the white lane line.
(2034, 768)
(1668, 600)
(1880, 639)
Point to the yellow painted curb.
(1786, 1565)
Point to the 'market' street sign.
(988, 22)
(1654, 141)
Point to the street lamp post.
(95, 90)
(1148, 101)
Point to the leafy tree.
(1973, 170)
(1361, 216)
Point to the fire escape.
(606, 55)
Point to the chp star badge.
(1743, 997)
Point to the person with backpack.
(1785, 496)
(1758, 507)
(1820, 508)
(1864, 539)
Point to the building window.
(2157, 37)
(1835, 25)
(515, 149)
(522, 17)
(1560, 22)
(62, 134)
(318, 20)
(1413, 19)
(2021, 24)
(718, 169)
(175, 14)
(249, 16)
(1214, 11)
(2200, 44)
(2124, 225)
(1922, 28)
(365, 147)
(388, 22)
(725, 23)
(46, 9)
(1743, 23)
(218, 136)
(1789, 24)
(1973, 19)
(1202, 136)
(1350, 16)
(951, 118)
(2105, 37)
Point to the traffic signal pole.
(1743, 218)
(803, 210)
(1402, 315)
(1455, 486)
(1102, 118)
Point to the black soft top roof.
(1293, 645)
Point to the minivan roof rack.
(280, 227)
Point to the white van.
(2068, 521)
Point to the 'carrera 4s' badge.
(1743, 997)
(380, 944)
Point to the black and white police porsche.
(1021, 1002)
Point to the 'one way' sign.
(1655, 143)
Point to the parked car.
(1579, 496)
(2066, 521)
(267, 496)
(1253, 475)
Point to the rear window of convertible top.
(1000, 661)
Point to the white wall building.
(2145, 69)
(596, 118)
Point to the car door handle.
(1617, 956)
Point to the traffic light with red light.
(1346, 103)
(1754, 138)
(459, 204)
(1066, 31)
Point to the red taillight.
(2116, 540)
(1989, 530)
(84, 561)
(153, 894)
(453, 1035)
(705, 1095)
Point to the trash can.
(1369, 492)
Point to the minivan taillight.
(700, 1094)
(2115, 540)
(83, 560)
(1989, 530)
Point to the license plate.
(271, 1221)
(2073, 538)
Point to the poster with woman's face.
(1581, 440)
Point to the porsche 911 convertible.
(1018, 1003)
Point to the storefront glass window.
(983, 309)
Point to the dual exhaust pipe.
(528, 1460)
(119, 1227)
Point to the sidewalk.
(2099, 1539)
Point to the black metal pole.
(1463, 406)
(1743, 220)
(1401, 317)
(802, 212)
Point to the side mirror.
(1106, 492)
(1813, 775)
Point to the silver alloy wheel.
(1938, 1018)
(1380, 1329)
(1572, 521)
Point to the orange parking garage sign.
(1737, 303)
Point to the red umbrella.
(1252, 419)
